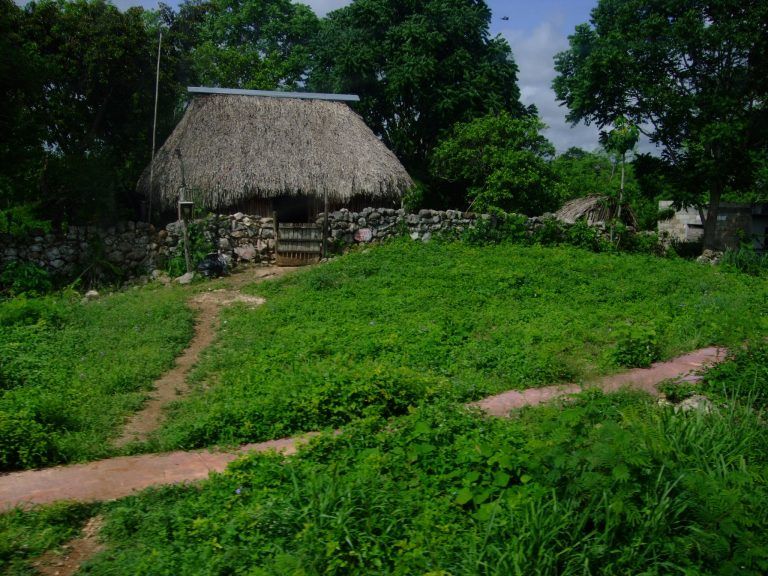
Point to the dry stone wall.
(126, 245)
(138, 248)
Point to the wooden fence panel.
(298, 244)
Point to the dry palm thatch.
(595, 210)
(232, 148)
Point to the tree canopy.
(419, 66)
(502, 161)
(691, 74)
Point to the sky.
(536, 30)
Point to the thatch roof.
(596, 210)
(237, 147)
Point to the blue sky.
(536, 30)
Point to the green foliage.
(744, 377)
(581, 173)
(502, 161)
(601, 485)
(419, 67)
(18, 278)
(200, 245)
(93, 115)
(25, 534)
(71, 372)
(662, 65)
(21, 220)
(254, 44)
(497, 229)
(745, 259)
(371, 333)
(636, 347)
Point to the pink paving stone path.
(118, 477)
(638, 378)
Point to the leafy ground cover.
(392, 327)
(25, 535)
(70, 372)
(599, 485)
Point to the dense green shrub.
(636, 347)
(746, 260)
(70, 372)
(24, 442)
(19, 277)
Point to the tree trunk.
(710, 224)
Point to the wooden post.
(186, 246)
(325, 225)
(274, 226)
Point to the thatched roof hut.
(595, 210)
(253, 151)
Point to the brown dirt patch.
(67, 560)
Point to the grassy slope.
(604, 485)
(71, 372)
(385, 329)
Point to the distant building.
(736, 223)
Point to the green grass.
(602, 485)
(71, 372)
(25, 535)
(392, 327)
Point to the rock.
(239, 216)
(414, 235)
(185, 279)
(696, 402)
(425, 213)
(247, 252)
(224, 244)
(56, 264)
(92, 295)
(710, 257)
(426, 237)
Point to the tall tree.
(97, 73)
(419, 66)
(691, 74)
(256, 44)
(20, 85)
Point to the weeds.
(380, 331)
(70, 372)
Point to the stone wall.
(127, 245)
(138, 248)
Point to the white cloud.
(534, 52)
(322, 7)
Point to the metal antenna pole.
(154, 129)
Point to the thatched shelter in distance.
(596, 211)
(261, 152)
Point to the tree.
(20, 132)
(255, 44)
(96, 68)
(691, 74)
(502, 161)
(620, 140)
(419, 67)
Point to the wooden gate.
(298, 244)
